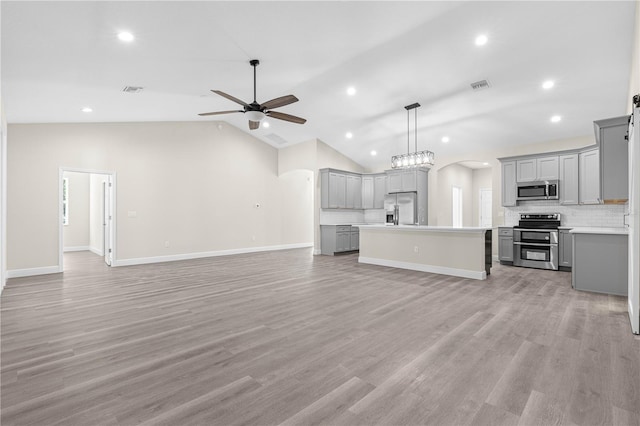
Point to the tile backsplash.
(598, 215)
(337, 217)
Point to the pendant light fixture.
(415, 158)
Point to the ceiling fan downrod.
(254, 63)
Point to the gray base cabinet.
(339, 239)
(505, 244)
(565, 248)
(600, 263)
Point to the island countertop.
(424, 228)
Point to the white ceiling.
(58, 57)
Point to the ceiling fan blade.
(218, 112)
(253, 125)
(278, 102)
(231, 98)
(286, 117)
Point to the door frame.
(112, 232)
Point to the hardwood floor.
(290, 338)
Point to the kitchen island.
(461, 252)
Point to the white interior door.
(634, 222)
(485, 208)
(107, 193)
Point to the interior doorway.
(86, 209)
(485, 219)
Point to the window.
(456, 207)
(65, 201)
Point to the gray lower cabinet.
(505, 244)
(338, 239)
(600, 263)
(565, 248)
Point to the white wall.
(76, 232)
(3, 197)
(634, 79)
(448, 177)
(192, 184)
(297, 196)
(96, 201)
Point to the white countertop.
(410, 228)
(597, 230)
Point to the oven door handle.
(518, 243)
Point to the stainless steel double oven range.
(535, 241)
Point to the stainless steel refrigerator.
(407, 207)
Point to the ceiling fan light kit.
(416, 158)
(256, 112)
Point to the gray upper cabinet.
(568, 179)
(402, 181)
(379, 191)
(533, 169)
(367, 192)
(547, 168)
(333, 189)
(354, 192)
(509, 183)
(526, 170)
(614, 159)
(374, 188)
(394, 182)
(409, 181)
(589, 177)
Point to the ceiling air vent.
(277, 139)
(132, 89)
(479, 85)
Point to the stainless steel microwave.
(544, 190)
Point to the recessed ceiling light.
(125, 36)
(548, 84)
(485, 164)
(349, 135)
(265, 124)
(555, 118)
(481, 40)
(87, 109)
(351, 91)
(374, 153)
(445, 139)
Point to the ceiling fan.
(257, 112)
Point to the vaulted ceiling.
(59, 57)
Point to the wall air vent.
(479, 85)
(132, 89)
(276, 139)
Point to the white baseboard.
(495, 258)
(317, 252)
(464, 273)
(77, 248)
(188, 256)
(17, 273)
(633, 319)
(96, 251)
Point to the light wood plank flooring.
(289, 338)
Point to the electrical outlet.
(166, 244)
(416, 249)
